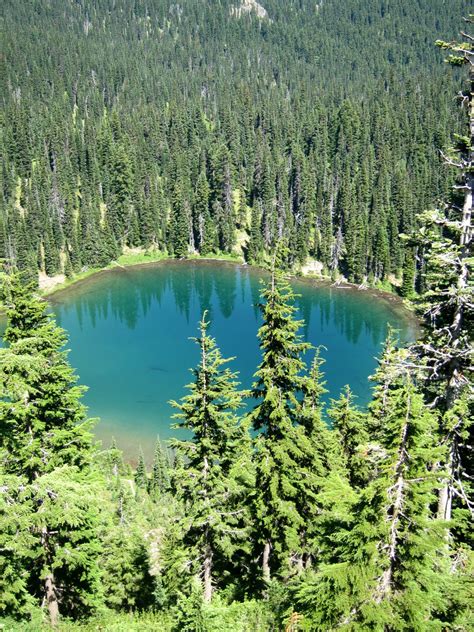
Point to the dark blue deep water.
(130, 335)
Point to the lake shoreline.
(397, 303)
(118, 315)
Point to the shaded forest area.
(187, 129)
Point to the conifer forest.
(293, 135)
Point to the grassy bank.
(134, 259)
(247, 616)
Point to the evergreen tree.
(160, 478)
(121, 187)
(445, 236)
(46, 444)
(203, 225)
(179, 223)
(390, 565)
(255, 249)
(277, 522)
(317, 459)
(141, 476)
(349, 424)
(209, 479)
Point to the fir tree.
(255, 249)
(349, 424)
(408, 278)
(317, 458)
(445, 237)
(179, 224)
(46, 444)
(390, 565)
(208, 480)
(141, 476)
(277, 521)
(160, 479)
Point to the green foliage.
(408, 279)
(128, 144)
(350, 426)
(392, 561)
(279, 382)
(45, 453)
(141, 476)
(445, 352)
(160, 477)
(191, 130)
(211, 480)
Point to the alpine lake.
(130, 335)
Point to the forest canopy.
(188, 129)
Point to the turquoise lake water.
(129, 335)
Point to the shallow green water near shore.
(129, 337)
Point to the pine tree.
(279, 380)
(121, 188)
(46, 445)
(385, 379)
(141, 476)
(179, 223)
(160, 478)
(349, 424)
(316, 460)
(203, 225)
(446, 350)
(255, 249)
(208, 479)
(408, 279)
(390, 565)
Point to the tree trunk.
(446, 492)
(456, 378)
(394, 511)
(208, 575)
(266, 562)
(50, 590)
(51, 599)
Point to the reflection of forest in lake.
(130, 328)
(128, 295)
(351, 312)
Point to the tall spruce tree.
(316, 460)
(141, 476)
(209, 478)
(445, 240)
(160, 477)
(390, 565)
(277, 521)
(350, 427)
(45, 454)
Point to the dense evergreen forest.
(188, 129)
(310, 131)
